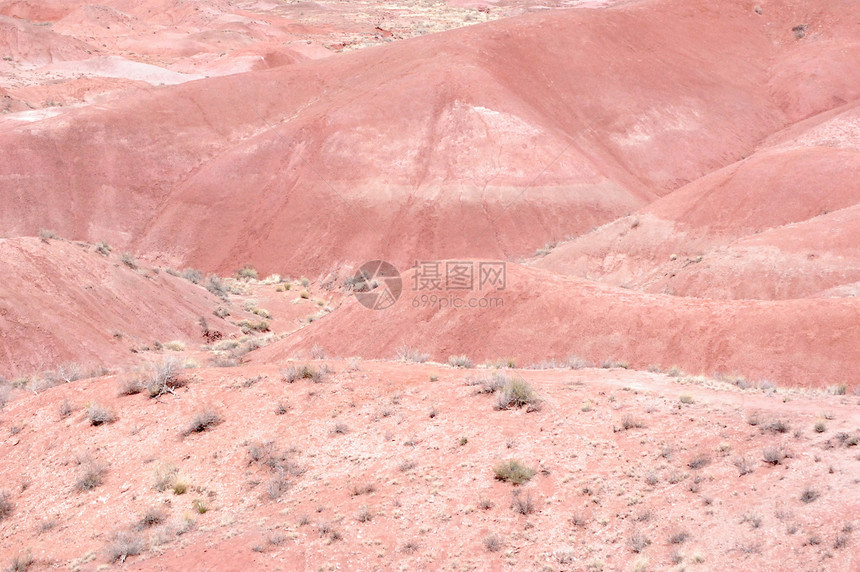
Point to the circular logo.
(377, 285)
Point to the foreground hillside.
(378, 465)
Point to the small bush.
(164, 377)
(131, 386)
(247, 272)
(99, 415)
(199, 506)
(192, 275)
(639, 542)
(686, 399)
(410, 547)
(774, 455)
(91, 477)
(277, 486)
(47, 235)
(513, 471)
(103, 248)
(248, 326)
(340, 429)
(522, 504)
(166, 474)
(127, 259)
(152, 517)
(461, 361)
(294, 373)
(493, 543)
(64, 408)
(517, 393)
(406, 353)
(180, 487)
(820, 427)
(124, 544)
(202, 421)
(778, 426)
(6, 506)
(679, 537)
(628, 423)
(699, 461)
(216, 286)
(808, 495)
(364, 489)
(363, 514)
(175, 346)
(21, 562)
(745, 466)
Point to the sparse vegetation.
(246, 273)
(522, 504)
(124, 544)
(21, 562)
(745, 466)
(751, 518)
(99, 414)
(64, 408)
(699, 461)
(6, 505)
(363, 514)
(513, 471)
(461, 361)
(296, 372)
(774, 455)
(127, 259)
(152, 517)
(92, 475)
(628, 423)
(493, 542)
(47, 235)
(778, 426)
(639, 542)
(202, 421)
(192, 275)
(164, 377)
(248, 327)
(103, 248)
(516, 392)
(809, 494)
(340, 429)
(131, 386)
(216, 286)
(406, 353)
(364, 489)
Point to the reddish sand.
(671, 184)
(781, 223)
(384, 468)
(63, 302)
(541, 316)
(368, 162)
